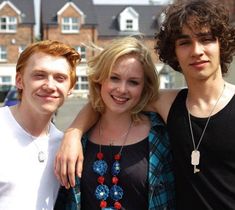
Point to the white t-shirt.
(26, 183)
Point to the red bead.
(117, 157)
(114, 180)
(103, 204)
(117, 205)
(100, 179)
(100, 155)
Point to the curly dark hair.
(204, 13)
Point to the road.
(68, 112)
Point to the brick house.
(104, 22)
(16, 31)
(89, 27)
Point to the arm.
(69, 157)
(163, 103)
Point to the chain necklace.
(195, 155)
(100, 167)
(41, 153)
(111, 139)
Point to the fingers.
(68, 163)
(64, 173)
(71, 172)
(79, 166)
(69, 159)
(60, 170)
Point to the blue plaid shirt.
(161, 180)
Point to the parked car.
(11, 98)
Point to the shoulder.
(164, 101)
(155, 119)
(231, 88)
(4, 109)
(5, 115)
(55, 133)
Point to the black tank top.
(214, 186)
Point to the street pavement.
(67, 113)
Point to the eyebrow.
(186, 36)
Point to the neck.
(114, 122)
(113, 130)
(205, 89)
(201, 101)
(32, 124)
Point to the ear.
(19, 81)
(70, 90)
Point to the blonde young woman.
(127, 159)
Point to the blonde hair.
(100, 68)
(53, 48)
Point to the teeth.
(119, 99)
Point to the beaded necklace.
(100, 167)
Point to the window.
(8, 24)
(82, 83)
(82, 51)
(129, 24)
(3, 53)
(128, 20)
(70, 25)
(6, 79)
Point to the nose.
(122, 87)
(197, 48)
(49, 84)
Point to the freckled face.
(45, 83)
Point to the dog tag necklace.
(195, 155)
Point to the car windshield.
(13, 95)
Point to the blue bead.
(102, 192)
(100, 167)
(116, 192)
(116, 168)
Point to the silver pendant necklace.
(195, 155)
(41, 153)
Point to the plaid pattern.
(161, 180)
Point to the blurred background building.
(86, 25)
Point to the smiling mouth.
(48, 96)
(120, 99)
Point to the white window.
(82, 51)
(70, 25)
(6, 79)
(129, 24)
(3, 53)
(82, 83)
(128, 20)
(8, 24)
